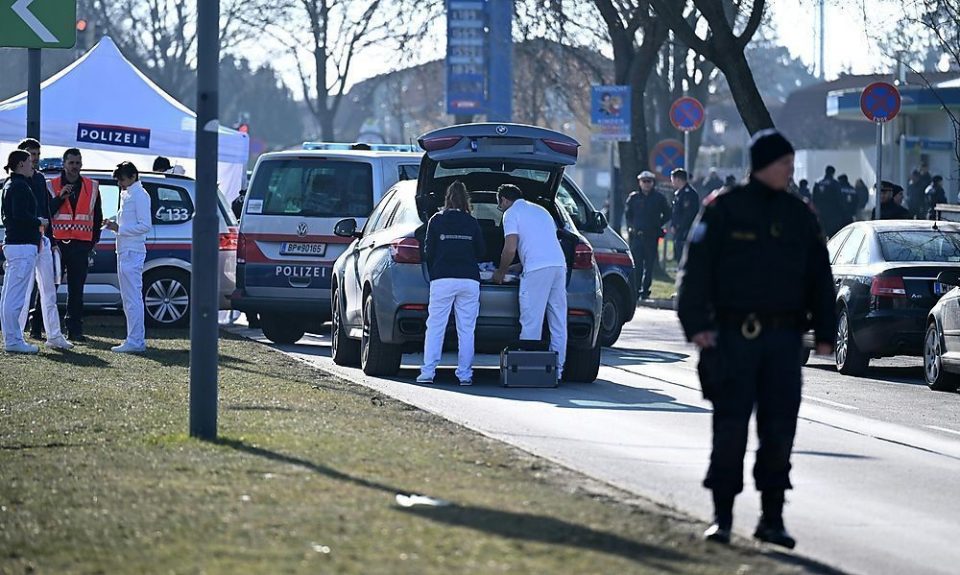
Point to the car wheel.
(377, 357)
(343, 350)
(166, 298)
(282, 328)
(611, 316)
(582, 365)
(805, 355)
(937, 378)
(850, 360)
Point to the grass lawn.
(97, 475)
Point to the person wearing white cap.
(647, 212)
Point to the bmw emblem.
(302, 229)
(501, 130)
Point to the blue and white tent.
(105, 106)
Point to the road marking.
(828, 402)
(944, 429)
(22, 9)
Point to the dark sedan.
(885, 274)
(941, 347)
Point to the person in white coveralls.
(133, 223)
(530, 230)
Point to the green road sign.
(38, 23)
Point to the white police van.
(286, 246)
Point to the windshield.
(920, 246)
(314, 188)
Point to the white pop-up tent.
(105, 106)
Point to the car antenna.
(935, 227)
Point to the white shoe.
(59, 343)
(127, 348)
(22, 348)
(424, 379)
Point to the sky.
(852, 42)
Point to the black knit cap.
(766, 147)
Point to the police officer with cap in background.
(889, 208)
(754, 278)
(647, 211)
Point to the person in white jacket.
(134, 222)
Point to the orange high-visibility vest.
(69, 224)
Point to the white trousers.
(130, 272)
(544, 291)
(21, 263)
(44, 277)
(463, 296)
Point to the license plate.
(297, 249)
(939, 288)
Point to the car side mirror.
(950, 278)
(598, 222)
(346, 229)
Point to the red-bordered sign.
(880, 102)
(686, 114)
(665, 157)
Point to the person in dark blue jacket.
(453, 248)
(686, 205)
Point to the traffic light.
(86, 35)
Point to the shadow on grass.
(517, 526)
(245, 447)
(77, 358)
(544, 529)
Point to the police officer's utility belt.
(752, 324)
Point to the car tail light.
(241, 249)
(405, 251)
(567, 148)
(578, 312)
(888, 286)
(414, 307)
(583, 257)
(230, 240)
(434, 144)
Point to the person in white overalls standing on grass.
(133, 223)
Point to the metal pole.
(876, 188)
(206, 227)
(823, 74)
(686, 153)
(33, 93)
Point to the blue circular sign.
(686, 114)
(666, 156)
(880, 102)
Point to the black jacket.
(646, 214)
(454, 245)
(19, 212)
(57, 202)
(828, 200)
(756, 250)
(686, 205)
(41, 194)
(892, 211)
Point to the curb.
(656, 303)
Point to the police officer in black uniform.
(647, 211)
(686, 204)
(889, 208)
(754, 278)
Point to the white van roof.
(341, 154)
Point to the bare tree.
(636, 37)
(159, 36)
(723, 46)
(325, 36)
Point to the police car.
(286, 245)
(166, 272)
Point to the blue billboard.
(479, 34)
(610, 113)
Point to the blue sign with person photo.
(610, 113)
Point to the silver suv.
(380, 286)
(166, 273)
